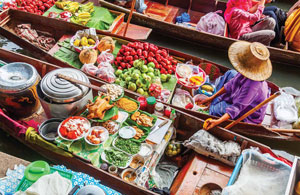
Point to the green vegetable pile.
(128, 145)
(116, 158)
(140, 76)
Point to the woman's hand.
(211, 124)
(262, 2)
(206, 101)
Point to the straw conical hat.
(251, 60)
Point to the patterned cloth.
(82, 178)
(13, 177)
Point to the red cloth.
(239, 18)
(19, 127)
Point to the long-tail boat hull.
(10, 18)
(168, 27)
(185, 124)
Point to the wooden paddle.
(72, 80)
(252, 110)
(129, 17)
(286, 130)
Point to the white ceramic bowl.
(127, 132)
(104, 135)
(86, 123)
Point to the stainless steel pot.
(60, 98)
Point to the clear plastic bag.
(204, 140)
(212, 23)
(107, 66)
(260, 174)
(106, 75)
(105, 56)
(182, 98)
(285, 108)
(90, 69)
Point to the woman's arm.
(208, 100)
(213, 123)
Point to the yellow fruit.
(174, 153)
(91, 41)
(206, 123)
(77, 42)
(84, 41)
(207, 88)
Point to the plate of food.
(128, 104)
(97, 135)
(116, 157)
(115, 92)
(190, 76)
(73, 128)
(111, 126)
(100, 109)
(143, 118)
(127, 146)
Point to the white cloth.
(53, 184)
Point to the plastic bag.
(182, 98)
(285, 109)
(202, 140)
(212, 23)
(106, 75)
(297, 103)
(90, 69)
(106, 65)
(260, 174)
(89, 33)
(105, 56)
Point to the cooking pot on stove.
(61, 98)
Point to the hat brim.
(256, 72)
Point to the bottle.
(159, 109)
(151, 101)
(143, 103)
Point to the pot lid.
(91, 190)
(62, 91)
(16, 77)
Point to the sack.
(285, 108)
(212, 23)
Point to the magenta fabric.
(243, 94)
(19, 127)
(238, 17)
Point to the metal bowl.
(48, 129)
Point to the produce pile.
(31, 6)
(81, 13)
(116, 157)
(127, 145)
(142, 78)
(147, 52)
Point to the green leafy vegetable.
(128, 145)
(116, 158)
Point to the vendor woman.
(239, 92)
(140, 5)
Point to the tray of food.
(73, 128)
(127, 146)
(116, 158)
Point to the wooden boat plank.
(8, 162)
(135, 31)
(285, 57)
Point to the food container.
(18, 82)
(48, 129)
(103, 136)
(85, 123)
(113, 169)
(146, 150)
(126, 172)
(197, 98)
(137, 160)
(61, 98)
(127, 132)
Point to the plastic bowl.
(127, 132)
(104, 135)
(49, 128)
(197, 98)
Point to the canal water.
(282, 76)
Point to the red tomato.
(72, 135)
(63, 131)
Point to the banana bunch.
(61, 4)
(89, 7)
(72, 7)
(81, 18)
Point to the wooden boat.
(14, 17)
(8, 162)
(199, 170)
(161, 16)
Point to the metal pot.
(18, 95)
(61, 98)
(48, 129)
